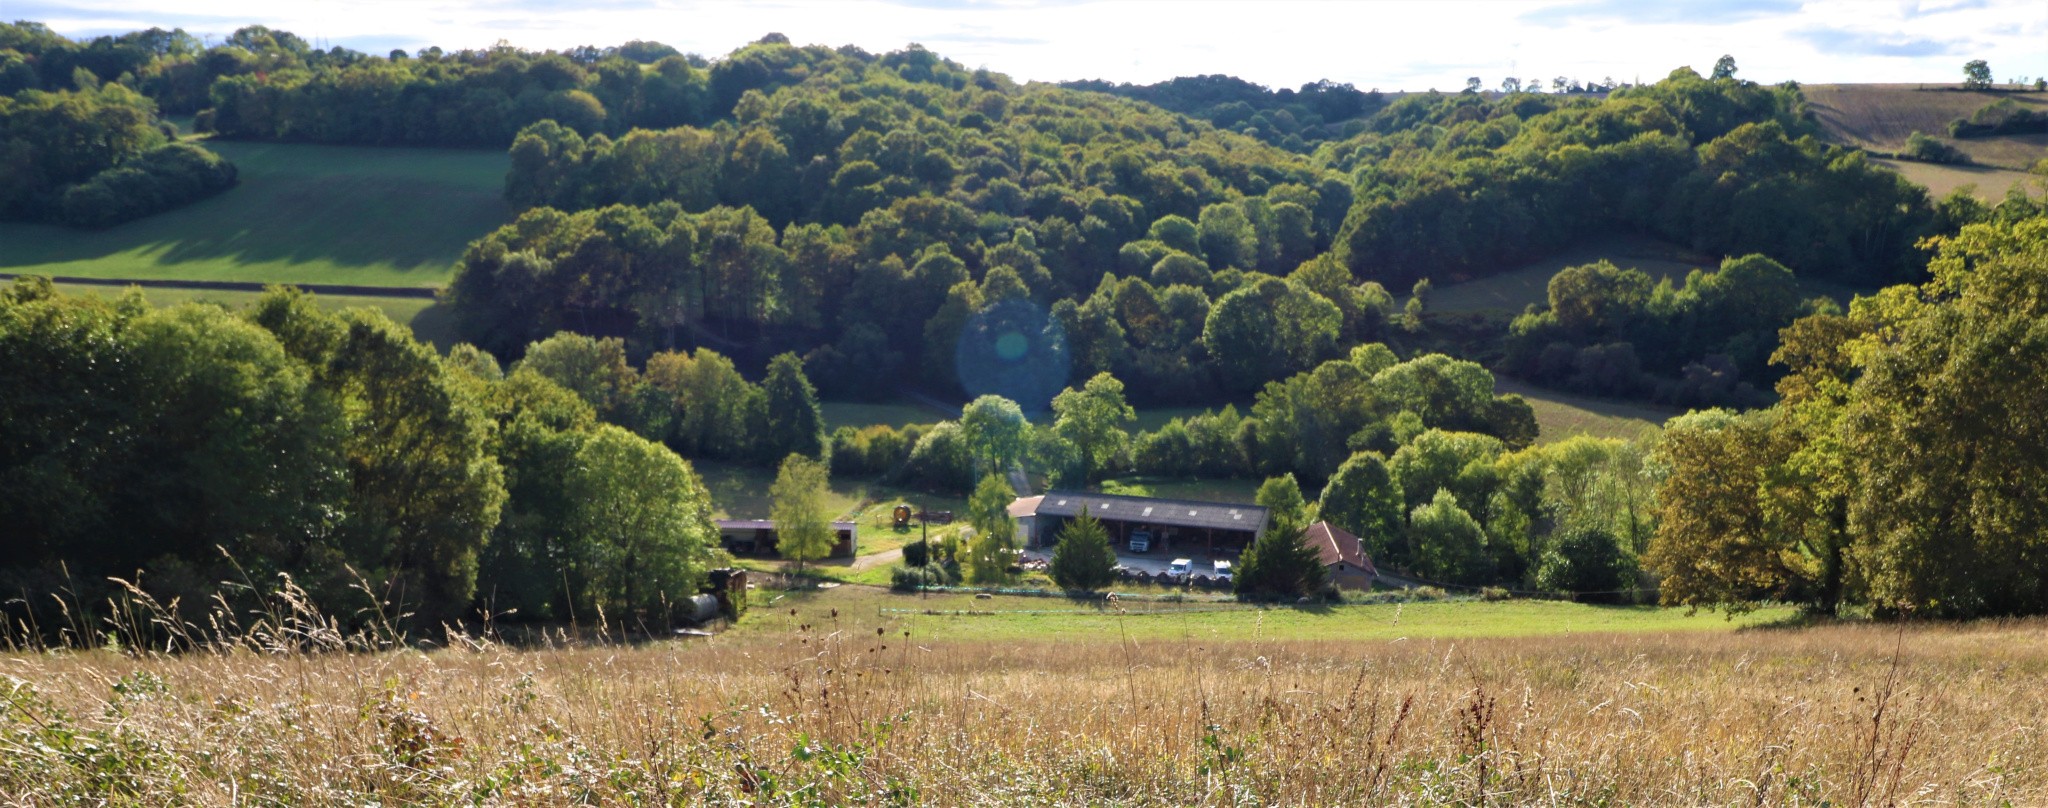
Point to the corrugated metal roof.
(1152, 511)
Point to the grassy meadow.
(1989, 183)
(301, 214)
(1518, 288)
(1562, 415)
(852, 696)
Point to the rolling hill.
(1880, 117)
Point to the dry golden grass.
(1990, 184)
(854, 710)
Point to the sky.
(1384, 44)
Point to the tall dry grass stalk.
(843, 710)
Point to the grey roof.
(1151, 511)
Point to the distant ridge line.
(427, 292)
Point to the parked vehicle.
(1222, 570)
(1180, 568)
(1141, 541)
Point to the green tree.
(993, 428)
(595, 369)
(1583, 560)
(1093, 419)
(1976, 75)
(1724, 67)
(795, 423)
(1364, 500)
(1280, 564)
(1083, 559)
(1281, 497)
(1269, 329)
(1943, 430)
(994, 546)
(1448, 543)
(645, 520)
(803, 530)
(1716, 545)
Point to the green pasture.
(960, 616)
(900, 414)
(1516, 289)
(428, 320)
(1562, 415)
(301, 214)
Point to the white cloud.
(1398, 44)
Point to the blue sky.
(1388, 44)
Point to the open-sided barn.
(1214, 529)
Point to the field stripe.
(426, 292)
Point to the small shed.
(1343, 555)
(757, 537)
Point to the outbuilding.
(1175, 526)
(758, 537)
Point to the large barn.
(1177, 526)
(757, 537)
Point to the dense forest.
(842, 224)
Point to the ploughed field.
(831, 698)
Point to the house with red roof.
(1343, 555)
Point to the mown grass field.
(428, 320)
(831, 698)
(302, 214)
(900, 414)
(1562, 415)
(1518, 288)
(1990, 184)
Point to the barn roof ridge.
(1176, 512)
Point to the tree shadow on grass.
(297, 205)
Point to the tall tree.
(1093, 419)
(803, 530)
(1724, 67)
(1281, 496)
(993, 428)
(1976, 74)
(1945, 426)
(645, 520)
(1280, 564)
(1364, 500)
(795, 423)
(993, 548)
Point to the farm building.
(757, 537)
(1343, 555)
(1024, 512)
(1215, 529)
